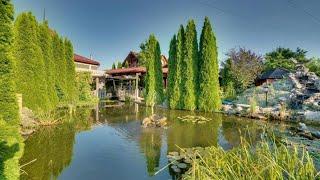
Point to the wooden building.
(84, 64)
(129, 82)
(271, 76)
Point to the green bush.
(84, 81)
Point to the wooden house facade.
(124, 82)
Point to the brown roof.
(164, 60)
(81, 59)
(125, 71)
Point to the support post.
(97, 86)
(137, 87)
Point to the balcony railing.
(93, 72)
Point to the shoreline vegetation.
(266, 160)
(38, 63)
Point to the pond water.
(109, 143)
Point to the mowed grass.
(263, 161)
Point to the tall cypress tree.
(8, 104)
(172, 72)
(154, 81)
(158, 73)
(190, 67)
(209, 97)
(70, 72)
(45, 39)
(30, 76)
(60, 67)
(177, 89)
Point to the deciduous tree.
(245, 66)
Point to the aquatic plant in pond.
(264, 161)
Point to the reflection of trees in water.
(150, 144)
(233, 129)
(53, 147)
(11, 149)
(184, 134)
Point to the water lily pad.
(182, 165)
(176, 170)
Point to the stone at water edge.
(146, 122)
(316, 134)
(302, 127)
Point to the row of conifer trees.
(193, 79)
(45, 71)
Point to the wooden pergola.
(131, 75)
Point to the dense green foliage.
(84, 81)
(45, 74)
(8, 104)
(209, 89)
(126, 64)
(193, 79)
(281, 58)
(71, 89)
(241, 69)
(314, 65)
(119, 65)
(154, 81)
(190, 68)
(60, 64)
(172, 72)
(30, 74)
(178, 53)
(11, 142)
(113, 66)
(45, 39)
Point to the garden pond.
(109, 143)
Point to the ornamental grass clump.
(263, 161)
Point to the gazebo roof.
(132, 70)
(278, 73)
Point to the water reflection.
(104, 142)
(150, 144)
(52, 147)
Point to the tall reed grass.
(264, 161)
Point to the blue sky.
(109, 29)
